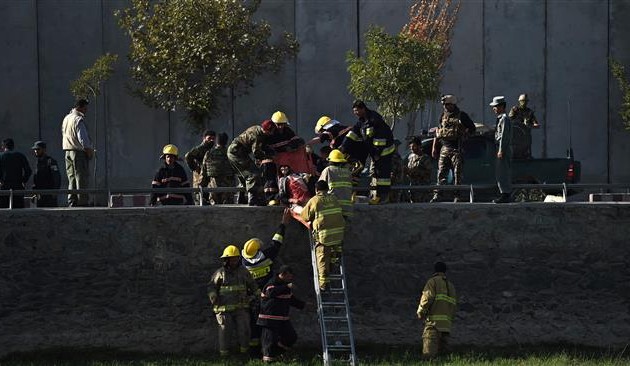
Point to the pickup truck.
(480, 155)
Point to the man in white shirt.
(79, 151)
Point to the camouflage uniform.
(419, 169)
(523, 118)
(217, 172)
(194, 160)
(251, 141)
(454, 127)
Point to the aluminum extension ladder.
(333, 310)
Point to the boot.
(253, 200)
(503, 198)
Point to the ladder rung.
(334, 277)
(333, 303)
(338, 347)
(335, 318)
(337, 332)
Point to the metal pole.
(10, 199)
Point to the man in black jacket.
(46, 175)
(14, 173)
(278, 334)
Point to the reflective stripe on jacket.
(438, 303)
(327, 222)
(233, 289)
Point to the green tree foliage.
(89, 83)
(185, 54)
(399, 73)
(619, 73)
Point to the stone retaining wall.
(134, 279)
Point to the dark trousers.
(383, 175)
(277, 339)
(18, 199)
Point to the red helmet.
(268, 125)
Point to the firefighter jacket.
(347, 139)
(171, 177)
(47, 174)
(216, 163)
(233, 289)
(252, 141)
(454, 127)
(194, 158)
(327, 222)
(378, 135)
(276, 301)
(438, 303)
(284, 139)
(260, 266)
(339, 179)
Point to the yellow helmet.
(252, 246)
(230, 251)
(170, 149)
(336, 156)
(321, 122)
(279, 118)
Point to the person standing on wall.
(418, 169)
(46, 175)
(455, 126)
(278, 334)
(437, 308)
(523, 116)
(78, 150)
(503, 141)
(380, 140)
(194, 158)
(170, 175)
(218, 172)
(14, 173)
(231, 289)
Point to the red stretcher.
(298, 160)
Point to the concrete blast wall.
(135, 279)
(557, 51)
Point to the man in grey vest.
(503, 141)
(78, 148)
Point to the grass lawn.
(555, 355)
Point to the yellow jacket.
(438, 303)
(232, 289)
(327, 222)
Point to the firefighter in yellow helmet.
(347, 139)
(324, 214)
(284, 138)
(339, 178)
(437, 309)
(170, 175)
(258, 260)
(231, 290)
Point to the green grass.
(554, 355)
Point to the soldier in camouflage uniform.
(523, 117)
(217, 171)
(253, 141)
(455, 125)
(418, 169)
(194, 158)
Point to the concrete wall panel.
(135, 132)
(619, 148)
(463, 72)
(577, 73)
(514, 43)
(70, 41)
(326, 31)
(19, 115)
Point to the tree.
(187, 53)
(619, 73)
(400, 73)
(88, 84)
